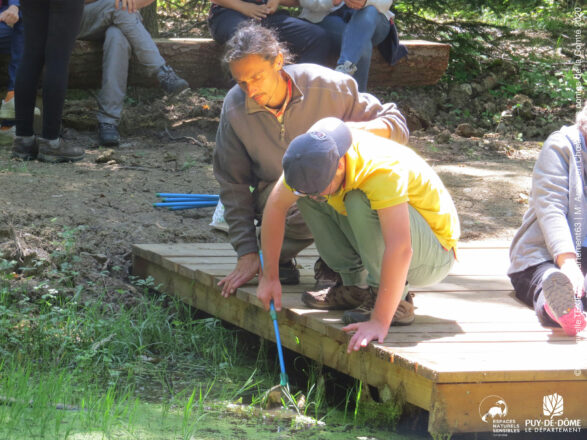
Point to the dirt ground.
(100, 206)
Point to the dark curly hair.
(254, 39)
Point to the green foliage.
(471, 8)
(106, 355)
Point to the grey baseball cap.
(310, 162)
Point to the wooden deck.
(471, 345)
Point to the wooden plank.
(455, 283)
(473, 261)
(467, 342)
(460, 407)
(402, 343)
(323, 348)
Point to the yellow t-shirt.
(389, 174)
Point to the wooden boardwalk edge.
(322, 347)
(451, 398)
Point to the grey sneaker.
(404, 315)
(108, 134)
(289, 273)
(57, 150)
(170, 82)
(337, 297)
(25, 147)
(347, 67)
(325, 277)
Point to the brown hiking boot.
(25, 147)
(325, 277)
(337, 297)
(57, 150)
(404, 315)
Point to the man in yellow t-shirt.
(380, 217)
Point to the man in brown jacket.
(271, 105)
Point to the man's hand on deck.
(365, 332)
(269, 289)
(246, 268)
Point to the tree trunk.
(149, 14)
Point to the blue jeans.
(12, 42)
(308, 42)
(356, 32)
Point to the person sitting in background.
(546, 269)
(355, 27)
(11, 42)
(270, 104)
(123, 34)
(381, 217)
(308, 42)
(50, 29)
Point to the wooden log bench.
(198, 61)
(472, 344)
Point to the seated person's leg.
(224, 23)
(11, 42)
(146, 51)
(334, 26)
(534, 285)
(115, 61)
(365, 29)
(307, 41)
(96, 18)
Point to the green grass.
(140, 364)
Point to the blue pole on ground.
(283, 376)
(196, 204)
(190, 196)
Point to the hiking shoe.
(108, 134)
(289, 273)
(404, 315)
(170, 82)
(325, 277)
(347, 67)
(7, 135)
(560, 303)
(25, 147)
(7, 109)
(337, 297)
(57, 150)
